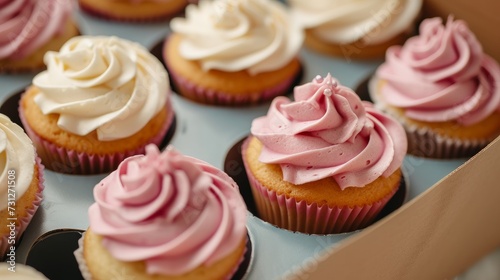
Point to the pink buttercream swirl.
(442, 75)
(329, 132)
(26, 25)
(171, 211)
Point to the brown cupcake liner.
(120, 18)
(424, 142)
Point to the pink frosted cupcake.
(101, 100)
(324, 163)
(164, 216)
(21, 185)
(443, 88)
(29, 28)
(233, 52)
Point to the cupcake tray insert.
(209, 133)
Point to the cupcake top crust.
(17, 160)
(346, 21)
(171, 211)
(26, 25)
(441, 75)
(233, 35)
(329, 132)
(107, 84)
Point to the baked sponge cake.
(164, 216)
(324, 163)
(361, 29)
(21, 184)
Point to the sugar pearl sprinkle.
(331, 84)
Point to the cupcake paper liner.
(291, 214)
(424, 142)
(209, 96)
(69, 161)
(82, 264)
(24, 221)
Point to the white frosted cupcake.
(21, 184)
(234, 52)
(355, 29)
(100, 100)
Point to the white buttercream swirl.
(101, 83)
(347, 21)
(233, 35)
(17, 154)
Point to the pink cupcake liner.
(63, 160)
(82, 264)
(100, 14)
(290, 214)
(294, 215)
(424, 142)
(23, 222)
(209, 96)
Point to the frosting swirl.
(346, 21)
(442, 75)
(26, 25)
(16, 153)
(329, 132)
(233, 35)
(22, 272)
(107, 84)
(171, 211)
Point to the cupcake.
(21, 185)
(20, 272)
(133, 10)
(29, 28)
(443, 88)
(355, 29)
(164, 216)
(324, 163)
(100, 100)
(236, 52)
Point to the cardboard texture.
(435, 236)
(447, 228)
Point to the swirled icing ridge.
(442, 75)
(329, 132)
(107, 84)
(173, 212)
(233, 35)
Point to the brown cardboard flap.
(481, 16)
(435, 236)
